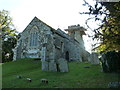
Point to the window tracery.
(34, 36)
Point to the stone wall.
(24, 50)
(71, 47)
(52, 46)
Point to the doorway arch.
(67, 56)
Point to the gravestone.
(44, 81)
(63, 66)
(45, 65)
(94, 58)
(52, 66)
(114, 85)
(29, 79)
(19, 77)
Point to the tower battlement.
(76, 32)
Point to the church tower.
(76, 32)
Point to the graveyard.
(64, 46)
(27, 73)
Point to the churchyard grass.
(77, 77)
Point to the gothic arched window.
(34, 36)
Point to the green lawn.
(77, 77)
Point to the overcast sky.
(56, 13)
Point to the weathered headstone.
(114, 85)
(63, 66)
(45, 66)
(44, 81)
(94, 58)
(29, 79)
(19, 77)
(52, 66)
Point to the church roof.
(58, 31)
(43, 23)
(36, 19)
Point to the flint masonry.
(54, 47)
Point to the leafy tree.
(109, 30)
(8, 34)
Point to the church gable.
(40, 25)
(32, 39)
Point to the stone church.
(41, 41)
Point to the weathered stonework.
(62, 65)
(54, 47)
(94, 58)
